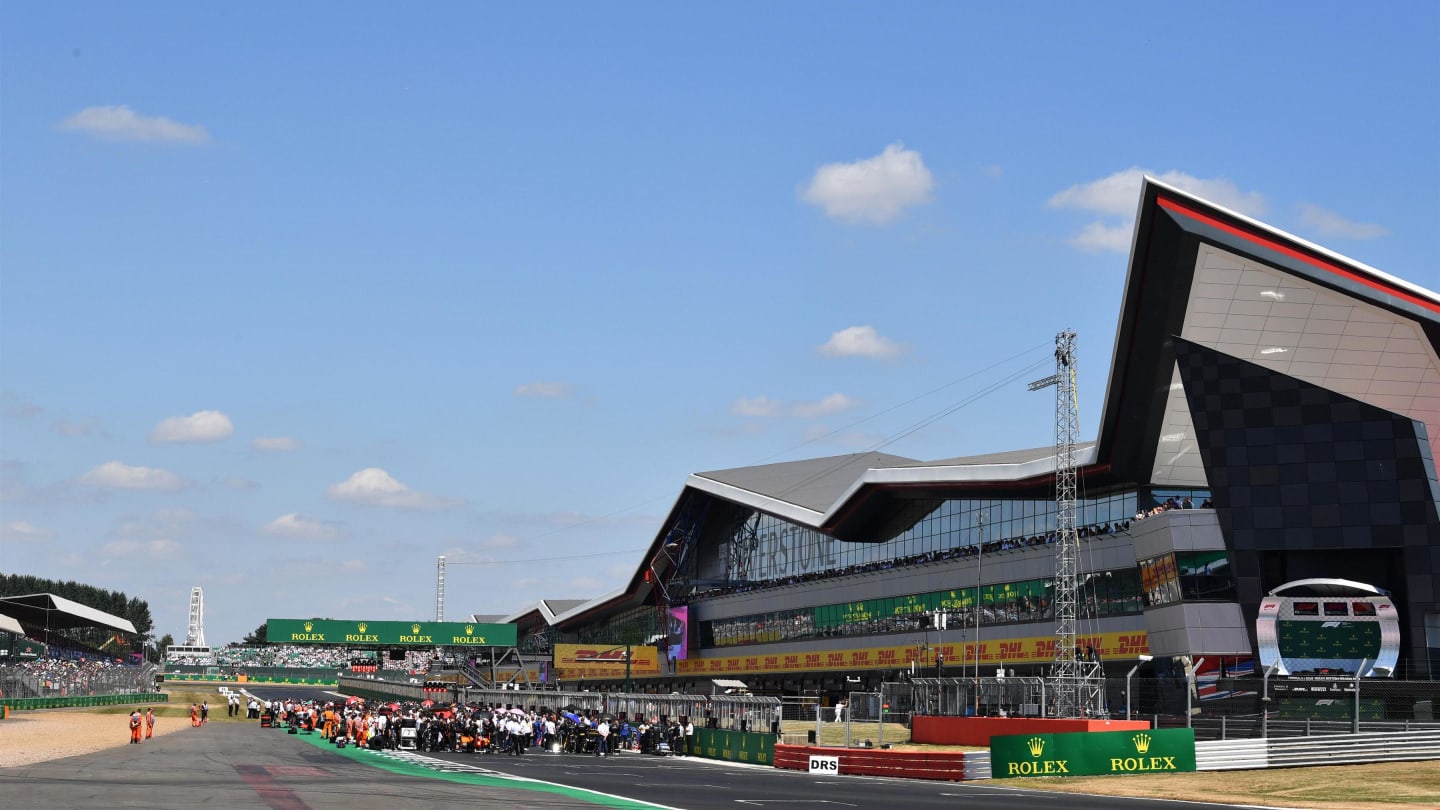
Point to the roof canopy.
(58, 613)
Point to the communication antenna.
(1076, 681)
(195, 633)
(440, 589)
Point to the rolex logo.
(309, 626)
(1142, 742)
(415, 628)
(1036, 746)
(362, 626)
(469, 629)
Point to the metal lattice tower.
(440, 589)
(1076, 679)
(195, 633)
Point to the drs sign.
(825, 765)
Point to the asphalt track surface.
(241, 765)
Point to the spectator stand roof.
(9, 625)
(51, 612)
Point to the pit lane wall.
(949, 767)
(735, 746)
(27, 704)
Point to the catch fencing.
(59, 680)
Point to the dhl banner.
(575, 661)
(1033, 650)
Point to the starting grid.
(440, 765)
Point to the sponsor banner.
(678, 634)
(390, 634)
(736, 746)
(1093, 753)
(1032, 650)
(576, 661)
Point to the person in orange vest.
(135, 727)
(329, 731)
(194, 716)
(149, 722)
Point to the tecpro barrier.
(735, 746)
(1093, 754)
(252, 679)
(26, 704)
(948, 767)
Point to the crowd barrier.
(251, 679)
(735, 746)
(26, 704)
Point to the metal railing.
(1330, 749)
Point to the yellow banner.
(575, 661)
(1032, 650)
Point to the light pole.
(1265, 701)
(940, 621)
(979, 566)
(1128, 676)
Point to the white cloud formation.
(354, 566)
(376, 487)
(1118, 195)
(873, 190)
(157, 549)
(501, 541)
(275, 444)
(1328, 223)
(119, 475)
(239, 484)
(120, 123)
(546, 390)
(756, 406)
(69, 427)
(302, 527)
(19, 531)
(834, 403)
(198, 428)
(860, 341)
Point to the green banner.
(735, 746)
(1093, 753)
(389, 634)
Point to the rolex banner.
(1093, 753)
(389, 634)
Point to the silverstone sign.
(1093, 753)
(389, 634)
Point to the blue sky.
(296, 297)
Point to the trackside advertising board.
(389, 634)
(1093, 753)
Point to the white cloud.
(197, 428)
(158, 549)
(354, 565)
(1118, 195)
(239, 484)
(756, 406)
(547, 390)
(993, 170)
(834, 403)
(1329, 223)
(20, 407)
(873, 190)
(19, 531)
(501, 541)
(1097, 236)
(275, 444)
(376, 487)
(120, 123)
(302, 527)
(118, 475)
(860, 341)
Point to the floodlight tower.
(1076, 679)
(195, 633)
(440, 589)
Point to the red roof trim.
(1180, 208)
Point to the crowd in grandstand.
(64, 677)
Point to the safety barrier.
(734, 746)
(949, 767)
(252, 679)
(27, 704)
(1330, 749)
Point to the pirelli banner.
(389, 634)
(576, 661)
(1093, 753)
(1001, 652)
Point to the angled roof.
(58, 613)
